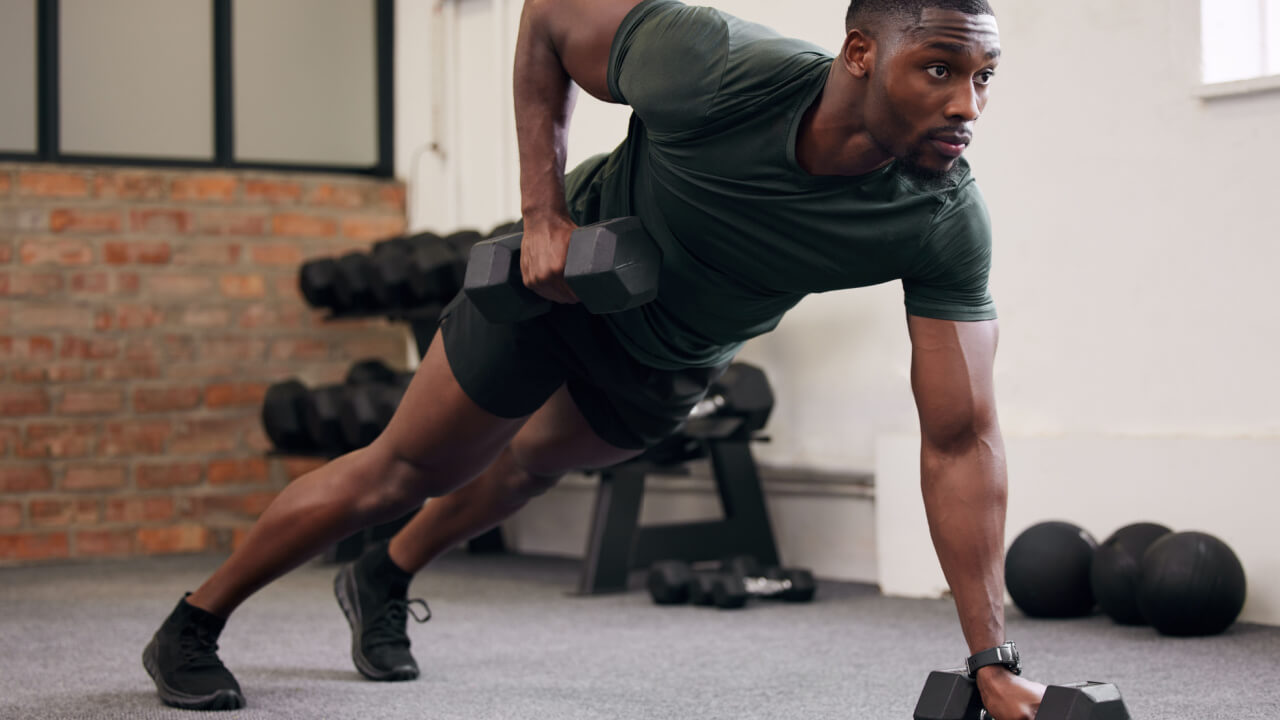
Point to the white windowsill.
(1235, 88)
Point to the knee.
(405, 484)
(531, 470)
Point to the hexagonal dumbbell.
(953, 695)
(611, 266)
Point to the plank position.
(765, 169)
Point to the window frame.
(49, 119)
(1264, 82)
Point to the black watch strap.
(1006, 655)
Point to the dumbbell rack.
(617, 543)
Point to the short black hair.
(865, 14)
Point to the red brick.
(135, 317)
(243, 286)
(91, 283)
(97, 543)
(10, 512)
(128, 283)
(166, 399)
(52, 184)
(256, 439)
(226, 395)
(245, 506)
(272, 192)
(300, 349)
(91, 401)
(57, 440)
(6, 250)
(66, 373)
(252, 471)
(180, 285)
(23, 401)
(33, 546)
(295, 468)
(95, 477)
(286, 288)
(391, 198)
(134, 438)
(5, 183)
(166, 476)
(47, 373)
(373, 228)
(161, 221)
(85, 221)
(55, 251)
(26, 348)
(225, 222)
(204, 253)
(276, 254)
(89, 348)
(137, 510)
(25, 478)
(58, 317)
(174, 539)
(210, 188)
(128, 185)
(233, 348)
(51, 513)
(206, 317)
(9, 435)
(342, 196)
(139, 252)
(179, 347)
(27, 375)
(26, 284)
(294, 225)
(271, 316)
(147, 370)
(205, 436)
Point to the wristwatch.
(1006, 655)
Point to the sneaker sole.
(220, 700)
(344, 589)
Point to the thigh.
(558, 439)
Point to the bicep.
(581, 34)
(951, 376)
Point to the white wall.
(1136, 246)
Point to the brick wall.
(142, 316)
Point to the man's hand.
(543, 251)
(1007, 696)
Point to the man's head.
(926, 65)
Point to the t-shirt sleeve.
(949, 279)
(682, 68)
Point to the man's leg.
(373, 590)
(438, 440)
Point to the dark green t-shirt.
(709, 166)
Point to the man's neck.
(833, 139)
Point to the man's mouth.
(951, 144)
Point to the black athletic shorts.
(511, 369)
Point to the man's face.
(930, 85)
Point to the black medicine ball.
(1117, 570)
(1192, 584)
(1047, 570)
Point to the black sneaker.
(182, 659)
(372, 593)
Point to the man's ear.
(858, 53)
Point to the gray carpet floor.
(508, 641)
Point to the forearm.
(965, 492)
(544, 100)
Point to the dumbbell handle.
(765, 586)
(708, 406)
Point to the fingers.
(543, 251)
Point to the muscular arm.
(561, 42)
(964, 483)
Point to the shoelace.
(388, 628)
(199, 648)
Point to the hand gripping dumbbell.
(953, 695)
(673, 582)
(612, 266)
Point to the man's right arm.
(561, 42)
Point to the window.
(282, 85)
(1240, 39)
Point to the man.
(765, 170)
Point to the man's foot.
(372, 592)
(182, 659)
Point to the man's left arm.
(964, 482)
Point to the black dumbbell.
(740, 399)
(283, 420)
(611, 266)
(371, 371)
(322, 416)
(316, 280)
(674, 582)
(953, 695)
(366, 410)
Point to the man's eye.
(938, 71)
(985, 76)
